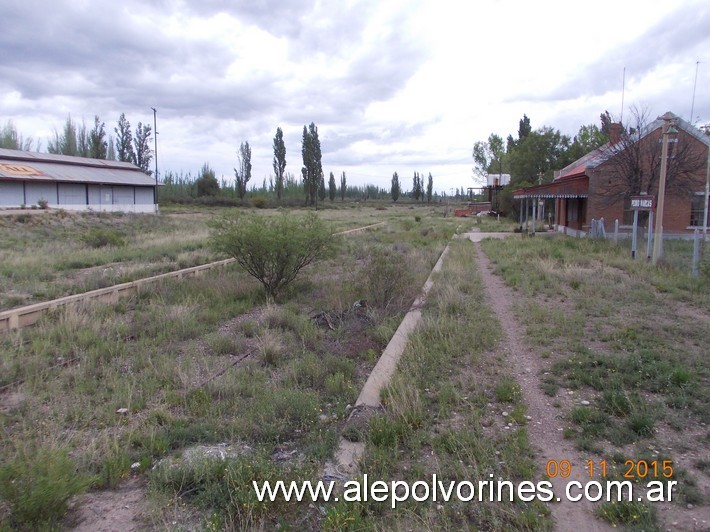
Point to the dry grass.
(629, 338)
(172, 356)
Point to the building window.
(697, 210)
(572, 211)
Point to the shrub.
(42, 203)
(38, 485)
(259, 202)
(207, 184)
(387, 282)
(99, 237)
(271, 249)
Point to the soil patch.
(123, 509)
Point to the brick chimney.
(614, 133)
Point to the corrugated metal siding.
(94, 194)
(40, 191)
(123, 196)
(106, 195)
(11, 194)
(71, 194)
(144, 196)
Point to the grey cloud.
(310, 25)
(97, 55)
(679, 38)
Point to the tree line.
(282, 185)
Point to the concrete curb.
(348, 454)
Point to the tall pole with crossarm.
(668, 129)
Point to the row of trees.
(313, 182)
(79, 141)
(206, 187)
(417, 192)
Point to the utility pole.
(668, 129)
(155, 150)
(707, 200)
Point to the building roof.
(596, 157)
(33, 166)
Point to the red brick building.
(601, 183)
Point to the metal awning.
(574, 187)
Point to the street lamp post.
(668, 129)
(155, 149)
(707, 200)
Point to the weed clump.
(99, 237)
(387, 282)
(38, 485)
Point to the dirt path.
(113, 511)
(545, 429)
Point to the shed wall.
(34, 192)
(71, 194)
(144, 196)
(11, 193)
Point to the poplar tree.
(321, 188)
(82, 141)
(429, 188)
(243, 175)
(98, 146)
(142, 153)
(395, 187)
(66, 142)
(279, 161)
(124, 140)
(11, 139)
(343, 187)
(331, 187)
(312, 164)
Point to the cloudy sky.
(399, 85)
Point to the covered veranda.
(569, 208)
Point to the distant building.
(497, 180)
(73, 183)
(597, 185)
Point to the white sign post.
(639, 203)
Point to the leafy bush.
(259, 202)
(271, 249)
(100, 237)
(207, 184)
(38, 485)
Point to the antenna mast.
(623, 88)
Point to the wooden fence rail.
(30, 314)
(27, 315)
